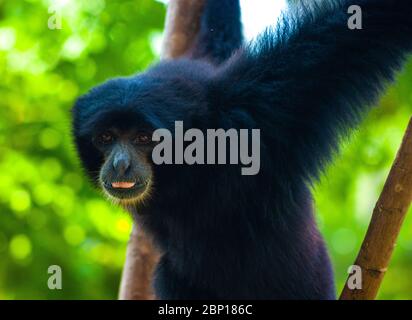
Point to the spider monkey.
(304, 84)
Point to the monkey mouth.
(124, 190)
(123, 185)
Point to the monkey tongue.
(123, 185)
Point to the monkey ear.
(90, 157)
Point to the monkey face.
(113, 125)
(126, 173)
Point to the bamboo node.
(398, 188)
(377, 270)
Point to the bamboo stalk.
(387, 219)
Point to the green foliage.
(50, 214)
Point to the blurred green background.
(50, 214)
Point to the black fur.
(220, 31)
(228, 236)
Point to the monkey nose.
(121, 165)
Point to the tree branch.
(182, 26)
(387, 219)
(141, 259)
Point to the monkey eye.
(105, 138)
(142, 138)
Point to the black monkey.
(223, 235)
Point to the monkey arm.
(220, 30)
(310, 80)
